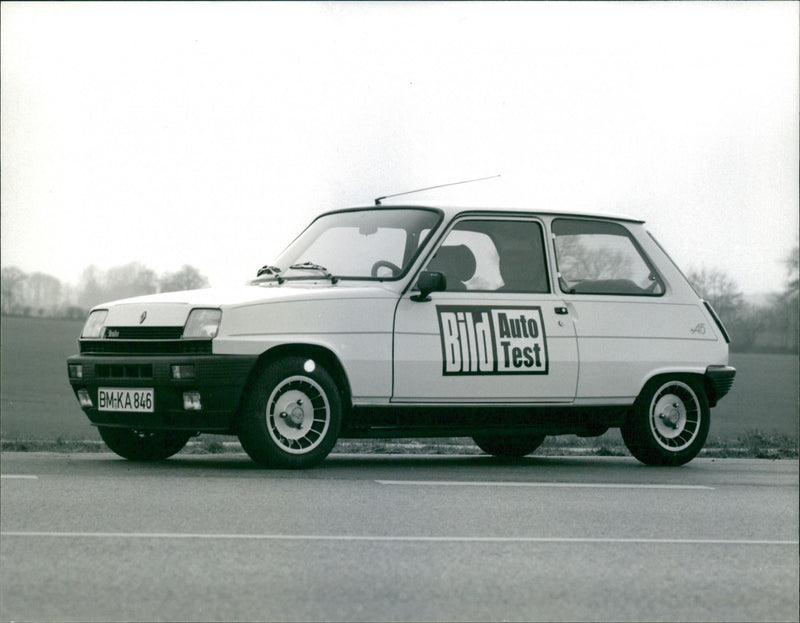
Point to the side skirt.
(429, 421)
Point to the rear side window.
(486, 255)
(596, 257)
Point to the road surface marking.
(18, 477)
(582, 485)
(406, 539)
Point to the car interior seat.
(456, 263)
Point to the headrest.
(454, 261)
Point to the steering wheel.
(396, 270)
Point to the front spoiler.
(220, 380)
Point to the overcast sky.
(210, 134)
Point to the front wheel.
(508, 446)
(669, 422)
(292, 414)
(136, 445)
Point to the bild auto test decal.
(481, 339)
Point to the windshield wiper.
(312, 266)
(270, 270)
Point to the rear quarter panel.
(622, 344)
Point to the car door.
(497, 334)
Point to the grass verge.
(753, 444)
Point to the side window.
(493, 255)
(594, 257)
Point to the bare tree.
(719, 289)
(128, 280)
(118, 282)
(744, 322)
(793, 270)
(577, 262)
(42, 294)
(91, 289)
(786, 306)
(187, 278)
(36, 294)
(11, 294)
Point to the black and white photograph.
(399, 311)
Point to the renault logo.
(142, 317)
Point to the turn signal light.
(191, 401)
(182, 372)
(84, 399)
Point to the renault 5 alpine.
(410, 321)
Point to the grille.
(142, 341)
(127, 371)
(143, 333)
(151, 347)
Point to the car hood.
(172, 308)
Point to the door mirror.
(428, 282)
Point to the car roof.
(452, 210)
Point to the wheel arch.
(320, 354)
(697, 374)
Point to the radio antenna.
(418, 190)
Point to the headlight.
(202, 323)
(94, 324)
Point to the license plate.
(119, 399)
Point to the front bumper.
(219, 379)
(718, 381)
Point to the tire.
(292, 414)
(136, 445)
(669, 421)
(508, 446)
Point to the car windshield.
(377, 243)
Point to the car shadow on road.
(344, 465)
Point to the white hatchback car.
(505, 326)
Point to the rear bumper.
(718, 381)
(219, 379)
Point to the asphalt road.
(211, 537)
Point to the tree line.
(769, 326)
(41, 295)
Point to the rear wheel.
(669, 422)
(292, 415)
(508, 446)
(137, 445)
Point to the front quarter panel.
(356, 329)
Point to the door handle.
(563, 311)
